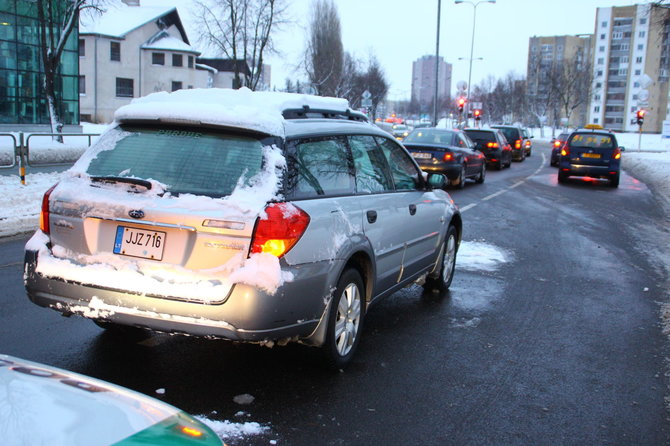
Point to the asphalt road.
(561, 345)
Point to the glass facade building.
(22, 98)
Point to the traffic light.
(478, 114)
(461, 104)
(640, 117)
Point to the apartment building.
(631, 67)
(546, 57)
(423, 80)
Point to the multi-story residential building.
(631, 67)
(547, 59)
(23, 105)
(130, 51)
(423, 80)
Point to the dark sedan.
(450, 152)
(493, 145)
(556, 145)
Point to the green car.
(46, 405)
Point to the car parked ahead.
(252, 216)
(447, 151)
(556, 145)
(493, 145)
(514, 135)
(591, 152)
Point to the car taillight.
(280, 231)
(527, 143)
(616, 154)
(44, 214)
(557, 144)
(448, 157)
(492, 145)
(565, 151)
(517, 144)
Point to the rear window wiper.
(133, 181)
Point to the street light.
(472, 41)
(437, 55)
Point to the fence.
(20, 152)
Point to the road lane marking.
(507, 189)
(7, 265)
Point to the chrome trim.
(146, 223)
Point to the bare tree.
(57, 22)
(571, 83)
(325, 54)
(375, 82)
(240, 30)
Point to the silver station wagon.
(251, 216)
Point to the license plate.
(139, 243)
(590, 155)
(422, 155)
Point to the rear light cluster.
(557, 144)
(517, 144)
(448, 157)
(280, 231)
(616, 154)
(565, 151)
(492, 145)
(44, 214)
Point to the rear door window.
(319, 167)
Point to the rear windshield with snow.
(186, 160)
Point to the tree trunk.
(50, 92)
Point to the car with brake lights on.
(43, 405)
(493, 145)
(447, 151)
(591, 152)
(514, 135)
(527, 141)
(259, 217)
(556, 145)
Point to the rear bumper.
(247, 314)
(585, 170)
(452, 171)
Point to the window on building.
(643, 21)
(638, 72)
(624, 59)
(603, 24)
(596, 109)
(642, 34)
(602, 37)
(640, 47)
(617, 35)
(633, 108)
(124, 88)
(601, 49)
(595, 120)
(624, 47)
(599, 73)
(599, 84)
(636, 85)
(177, 60)
(623, 71)
(601, 60)
(82, 84)
(82, 47)
(158, 58)
(638, 60)
(190, 61)
(115, 51)
(596, 97)
(176, 86)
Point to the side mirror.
(623, 149)
(437, 180)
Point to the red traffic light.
(640, 116)
(461, 102)
(477, 114)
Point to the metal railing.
(22, 151)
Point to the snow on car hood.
(254, 110)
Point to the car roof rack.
(306, 112)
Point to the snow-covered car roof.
(48, 405)
(259, 111)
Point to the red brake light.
(565, 151)
(557, 144)
(616, 154)
(492, 145)
(44, 214)
(517, 144)
(280, 231)
(448, 156)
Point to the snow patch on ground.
(226, 430)
(481, 256)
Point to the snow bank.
(480, 256)
(226, 429)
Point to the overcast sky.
(400, 31)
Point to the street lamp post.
(437, 56)
(472, 41)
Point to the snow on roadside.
(481, 256)
(20, 205)
(226, 429)
(652, 169)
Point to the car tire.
(482, 174)
(562, 177)
(445, 271)
(345, 320)
(500, 165)
(459, 183)
(614, 181)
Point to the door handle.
(372, 216)
(412, 209)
